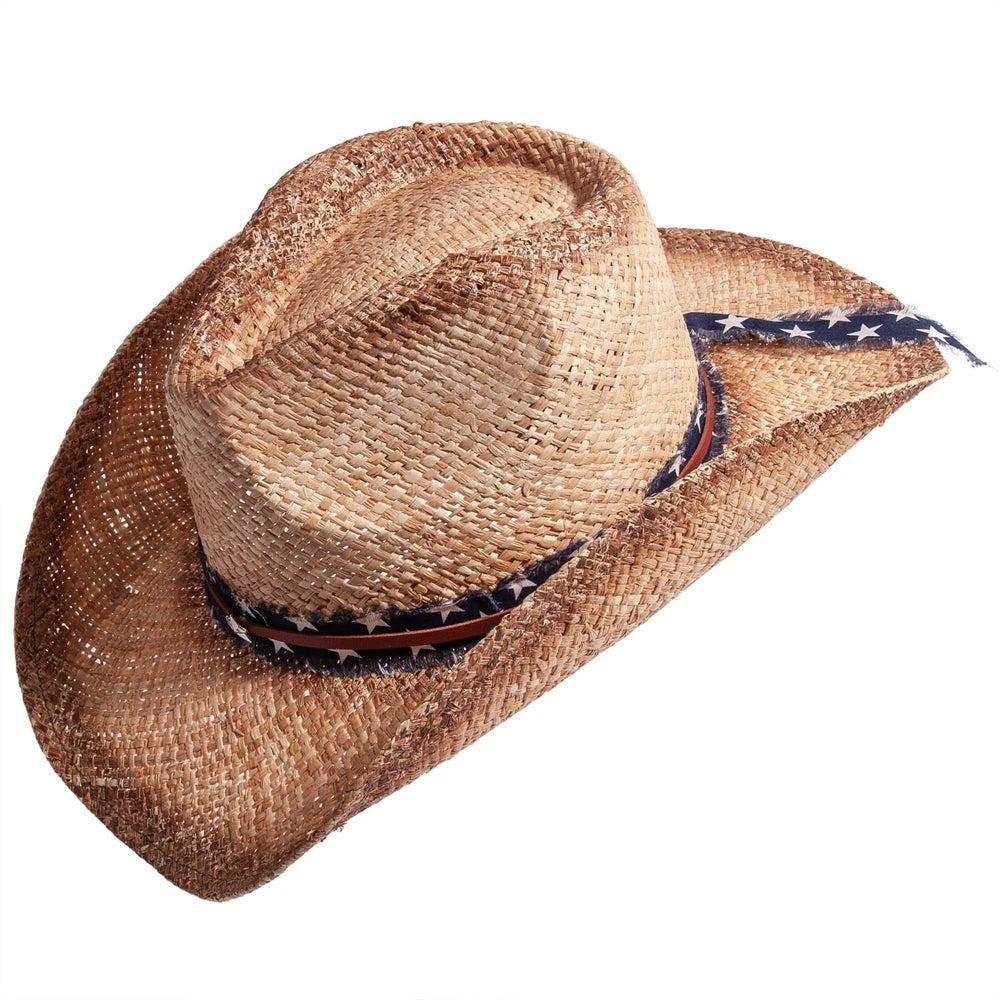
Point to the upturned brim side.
(220, 768)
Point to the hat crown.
(434, 356)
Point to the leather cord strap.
(705, 441)
(383, 640)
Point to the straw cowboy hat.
(447, 418)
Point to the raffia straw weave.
(498, 290)
(401, 387)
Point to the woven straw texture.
(219, 767)
(400, 386)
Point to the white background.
(803, 802)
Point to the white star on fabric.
(699, 415)
(346, 654)
(279, 645)
(865, 332)
(935, 333)
(837, 315)
(372, 621)
(246, 607)
(522, 583)
(416, 650)
(731, 322)
(797, 331)
(448, 608)
(301, 623)
(676, 465)
(237, 628)
(905, 313)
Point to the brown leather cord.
(705, 442)
(429, 636)
(386, 640)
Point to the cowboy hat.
(446, 419)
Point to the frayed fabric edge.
(870, 326)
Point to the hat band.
(385, 641)
(248, 622)
(413, 639)
(865, 327)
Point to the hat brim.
(219, 767)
